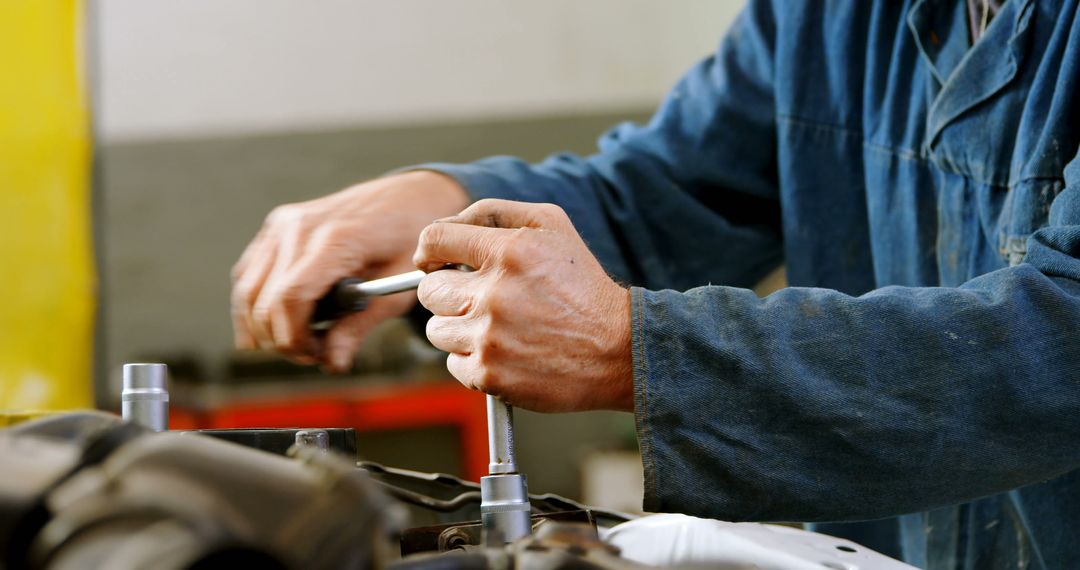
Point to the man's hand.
(369, 230)
(539, 323)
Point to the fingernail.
(447, 220)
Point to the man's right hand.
(369, 230)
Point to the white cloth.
(671, 539)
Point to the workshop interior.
(143, 142)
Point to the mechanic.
(913, 164)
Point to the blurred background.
(142, 142)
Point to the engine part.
(504, 508)
(87, 490)
(313, 438)
(183, 501)
(468, 535)
(555, 545)
(279, 440)
(145, 396)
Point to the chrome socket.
(144, 399)
(505, 513)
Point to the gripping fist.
(539, 323)
(369, 230)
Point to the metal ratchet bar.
(500, 425)
(386, 285)
(351, 296)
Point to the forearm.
(643, 227)
(812, 405)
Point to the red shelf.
(367, 409)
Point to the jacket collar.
(966, 75)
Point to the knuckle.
(245, 294)
(276, 303)
(237, 271)
(429, 236)
(551, 211)
(489, 303)
(518, 248)
(289, 296)
(327, 232)
(555, 216)
(489, 353)
(431, 329)
(486, 205)
(241, 294)
(425, 290)
(488, 381)
(455, 365)
(430, 233)
(508, 252)
(435, 329)
(428, 296)
(488, 347)
(260, 313)
(336, 232)
(486, 212)
(289, 344)
(479, 375)
(279, 214)
(289, 215)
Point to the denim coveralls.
(925, 197)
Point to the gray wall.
(176, 215)
(180, 69)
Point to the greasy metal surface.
(279, 440)
(451, 536)
(461, 499)
(317, 438)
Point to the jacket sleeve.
(813, 405)
(691, 198)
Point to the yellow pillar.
(46, 264)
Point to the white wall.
(180, 68)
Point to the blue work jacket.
(924, 195)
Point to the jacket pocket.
(1025, 210)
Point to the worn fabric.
(924, 195)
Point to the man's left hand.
(538, 323)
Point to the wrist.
(440, 190)
(620, 378)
